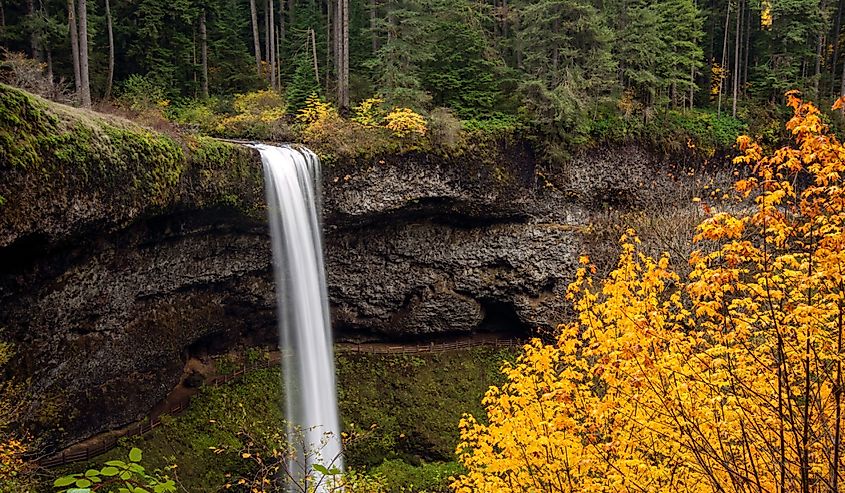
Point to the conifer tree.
(302, 85)
(565, 47)
(397, 64)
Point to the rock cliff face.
(105, 291)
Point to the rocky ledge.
(125, 251)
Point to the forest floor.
(400, 412)
(211, 371)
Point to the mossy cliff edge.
(63, 168)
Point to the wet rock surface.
(103, 319)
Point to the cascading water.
(292, 181)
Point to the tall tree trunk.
(373, 29)
(747, 48)
(267, 46)
(497, 24)
(110, 79)
(85, 85)
(834, 36)
(282, 28)
(50, 76)
(204, 54)
(819, 46)
(74, 47)
(194, 59)
(256, 39)
(710, 49)
(724, 56)
(272, 36)
(278, 55)
(556, 49)
(344, 60)
(692, 84)
(735, 75)
(842, 88)
(3, 22)
(505, 14)
(48, 49)
(331, 39)
(517, 25)
(291, 12)
(314, 54)
(34, 45)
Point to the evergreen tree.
(397, 64)
(787, 48)
(657, 48)
(303, 84)
(566, 57)
(230, 58)
(460, 75)
(684, 57)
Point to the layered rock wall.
(112, 273)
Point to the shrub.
(316, 112)
(16, 472)
(495, 123)
(124, 475)
(444, 128)
(403, 122)
(16, 69)
(195, 114)
(325, 130)
(703, 129)
(359, 482)
(260, 103)
(427, 477)
(141, 93)
(370, 112)
(260, 115)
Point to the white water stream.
(292, 181)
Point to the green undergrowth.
(701, 132)
(401, 412)
(339, 140)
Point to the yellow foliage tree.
(320, 120)
(728, 382)
(369, 112)
(404, 122)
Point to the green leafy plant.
(117, 475)
(142, 93)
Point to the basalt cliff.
(124, 251)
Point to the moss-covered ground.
(402, 412)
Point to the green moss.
(90, 152)
(430, 477)
(229, 175)
(414, 402)
(23, 121)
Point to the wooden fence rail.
(144, 427)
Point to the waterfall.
(292, 180)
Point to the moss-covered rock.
(64, 170)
